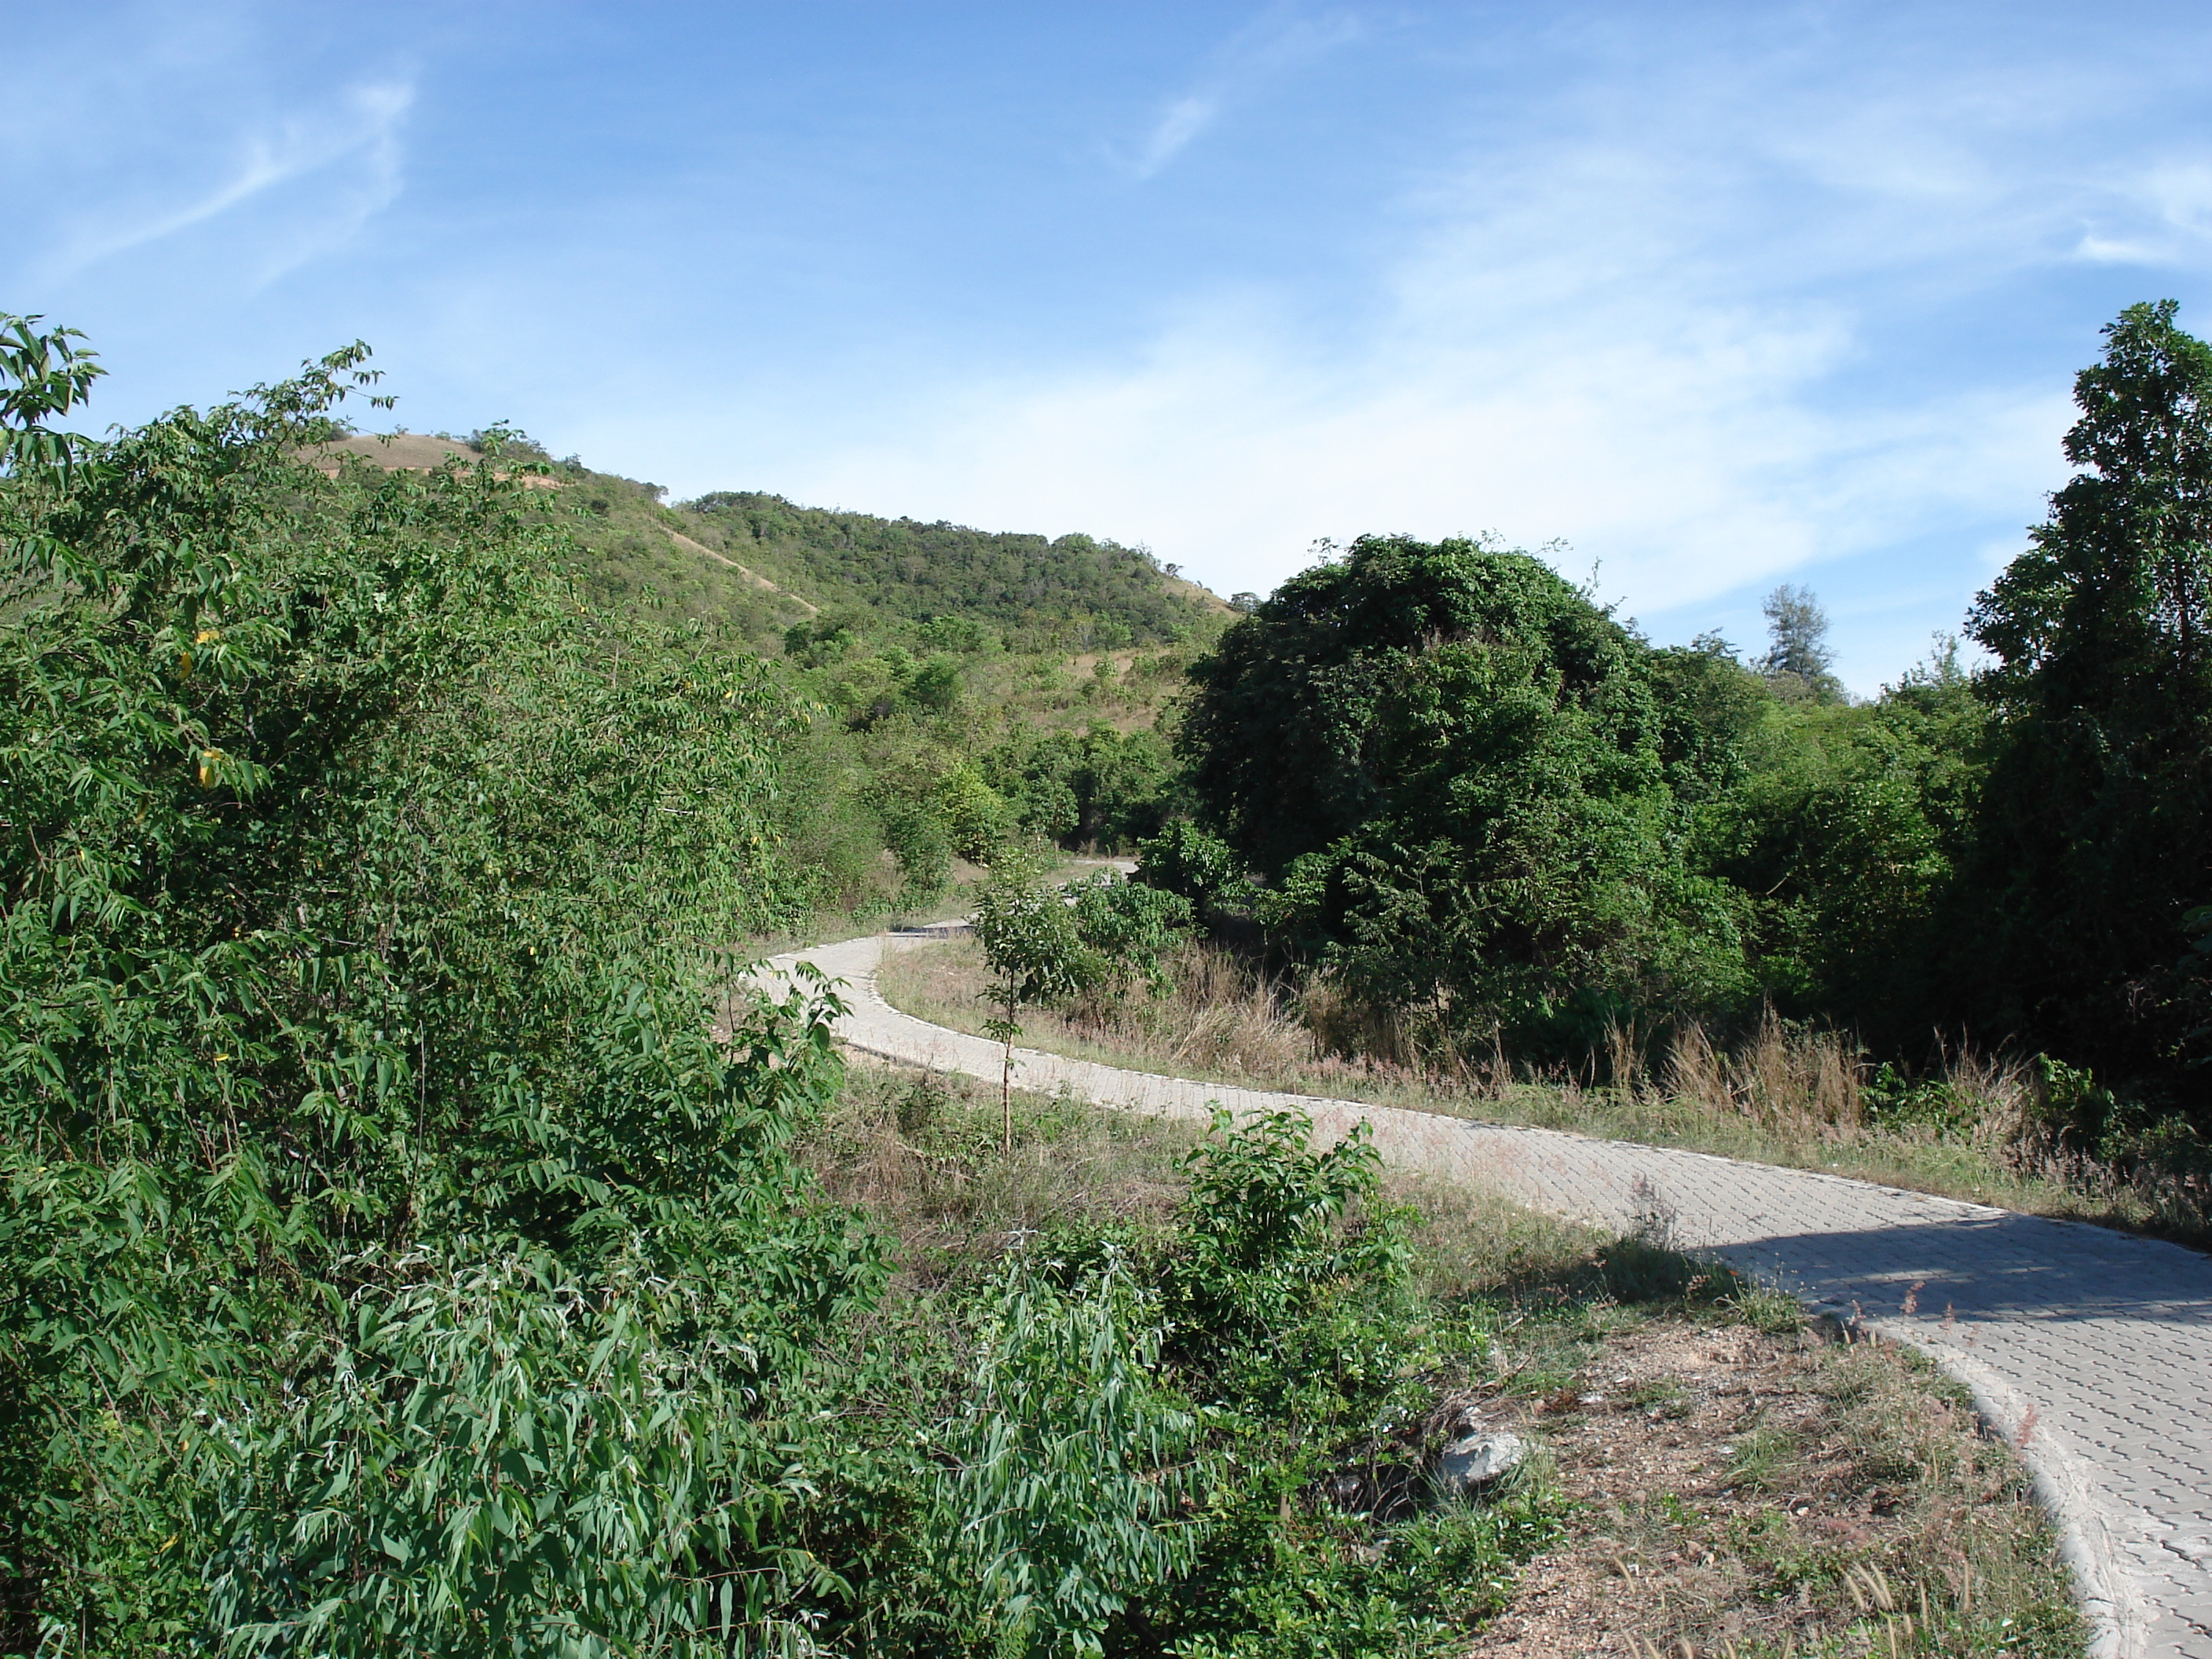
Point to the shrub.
(1198, 868)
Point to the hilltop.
(753, 563)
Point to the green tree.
(1067, 1462)
(1799, 662)
(978, 820)
(937, 684)
(42, 377)
(1201, 870)
(364, 888)
(1036, 957)
(2096, 834)
(1128, 927)
(1457, 767)
(1844, 829)
(1099, 787)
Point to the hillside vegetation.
(949, 687)
(1490, 833)
(419, 1239)
(752, 564)
(399, 1258)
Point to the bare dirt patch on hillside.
(1736, 1491)
(409, 451)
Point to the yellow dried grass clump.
(1780, 1093)
(1791, 1081)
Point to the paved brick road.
(2090, 1350)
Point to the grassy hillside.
(1073, 591)
(753, 564)
(955, 686)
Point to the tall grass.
(1974, 1124)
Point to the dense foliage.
(358, 1075)
(2096, 837)
(1500, 817)
(1455, 767)
(937, 720)
(406, 1243)
(409, 1239)
(1075, 591)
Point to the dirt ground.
(1738, 1492)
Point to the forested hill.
(755, 563)
(904, 568)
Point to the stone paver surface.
(2091, 1350)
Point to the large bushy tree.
(2096, 834)
(361, 1118)
(1844, 826)
(1457, 767)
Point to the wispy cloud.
(349, 146)
(1276, 42)
(1182, 121)
(1639, 327)
(2167, 208)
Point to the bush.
(365, 1119)
(1128, 927)
(919, 839)
(1199, 869)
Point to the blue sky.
(1710, 296)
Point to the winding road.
(2090, 1350)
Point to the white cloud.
(349, 147)
(1635, 336)
(1279, 39)
(1691, 466)
(2107, 251)
(2163, 215)
(1183, 120)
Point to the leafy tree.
(1453, 761)
(1712, 710)
(1289, 716)
(1069, 1460)
(1844, 829)
(920, 842)
(823, 639)
(936, 683)
(976, 817)
(1128, 927)
(361, 887)
(1036, 956)
(1100, 787)
(1799, 662)
(42, 377)
(2096, 834)
(1201, 869)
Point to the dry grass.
(1784, 1096)
(920, 1153)
(1748, 1491)
(1734, 1479)
(1802, 1085)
